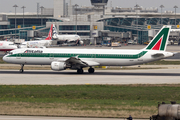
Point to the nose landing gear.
(21, 70)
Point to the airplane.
(66, 38)
(77, 59)
(175, 30)
(7, 46)
(38, 43)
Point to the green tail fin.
(159, 42)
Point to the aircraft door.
(93, 56)
(51, 56)
(140, 57)
(18, 56)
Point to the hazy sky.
(31, 5)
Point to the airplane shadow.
(94, 74)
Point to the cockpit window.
(10, 53)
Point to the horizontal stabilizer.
(158, 55)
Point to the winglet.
(50, 33)
(159, 42)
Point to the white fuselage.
(7, 46)
(36, 44)
(105, 57)
(67, 38)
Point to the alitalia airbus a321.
(77, 59)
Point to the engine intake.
(58, 66)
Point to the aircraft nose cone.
(5, 59)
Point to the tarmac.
(169, 74)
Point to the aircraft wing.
(76, 62)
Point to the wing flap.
(78, 62)
(92, 63)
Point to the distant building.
(59, 8)
(91, 22)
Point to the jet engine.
(57, 66)
(81, 42)
(54, 37)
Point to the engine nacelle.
(81, 42)
(57, 66)
(54, 37)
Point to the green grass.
(92, 94)
(1, 61)
(86, 100)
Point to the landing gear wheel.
(80, 71)
(22, 70)
(91, 70)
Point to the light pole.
(162, 6)
(23, 7)
(41, 15)
(76, 5)
(175, 13)
(15, 18)
(137, 6)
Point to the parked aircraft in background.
(77, 59)
(7, 46)
(39, 43)
(76, 39)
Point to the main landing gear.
(81, 71)
(21, 70)
(91, 70)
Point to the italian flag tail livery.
(159, 42)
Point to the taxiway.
(70, 77)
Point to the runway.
(70, 77)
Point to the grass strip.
(1, 61)
(86, 100)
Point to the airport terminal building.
(97, 23)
